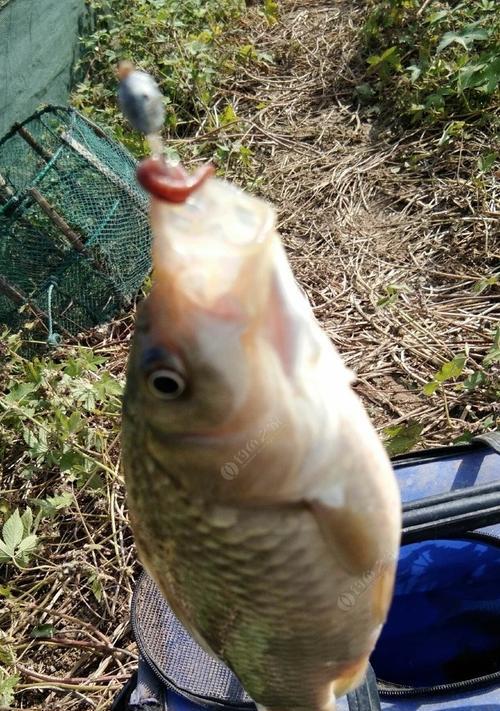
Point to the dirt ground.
(365, 217)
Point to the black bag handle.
(454, 512)
(492, 439)
(365, 697)
(143, 692)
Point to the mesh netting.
(74, 232)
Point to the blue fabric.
(444, 623)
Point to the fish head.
(212, 317)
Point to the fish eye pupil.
(166, 384)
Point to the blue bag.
(440, 647)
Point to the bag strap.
(144, 691)
(492, 439)
(365, 697)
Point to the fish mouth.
(170, 181)
(212, 248)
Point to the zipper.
(388, 690)
(195, 698)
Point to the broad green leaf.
(20, 391)
(27, 521)
(466, 37)
(12, 531)
(390, 56)
(434, 101)
(7, 686)
(71, 459)
(452, 369)
(483, 284)
(27, 545)
(471, 75)
(96, 587)
(430, 388)
(364, 91)
(52, 504)
(485, 162)
(465, 438)
(493, 355)
(435, 17)
(415, 72)
(271, 11)
(403, 438)
(6, 555)
(36, 441)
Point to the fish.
(262, 501)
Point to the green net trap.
(74, 233)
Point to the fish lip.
(170, 182)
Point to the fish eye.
(166, 384)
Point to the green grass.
(182, 43)
(433, 64)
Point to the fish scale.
(228, 573)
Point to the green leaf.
(474, 380)
(434, 101)
(52, 504)
(7, 686)
(455, 128)
(70, 460)
(271, 11)
(493, 355)
(485, 162)
(37, 442)
(415, 72)
(390, 57)
(46, 631)
(465, 438)
(430, 388)
(27, 545)
(402, 438)
(27, 521)
(483, 284)
(6, 654)
(435, 17)
(228, 116)
(452, 369)
(96, 587)
(364, 91)
(391, 294)
(466, 37)
(12, 531)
